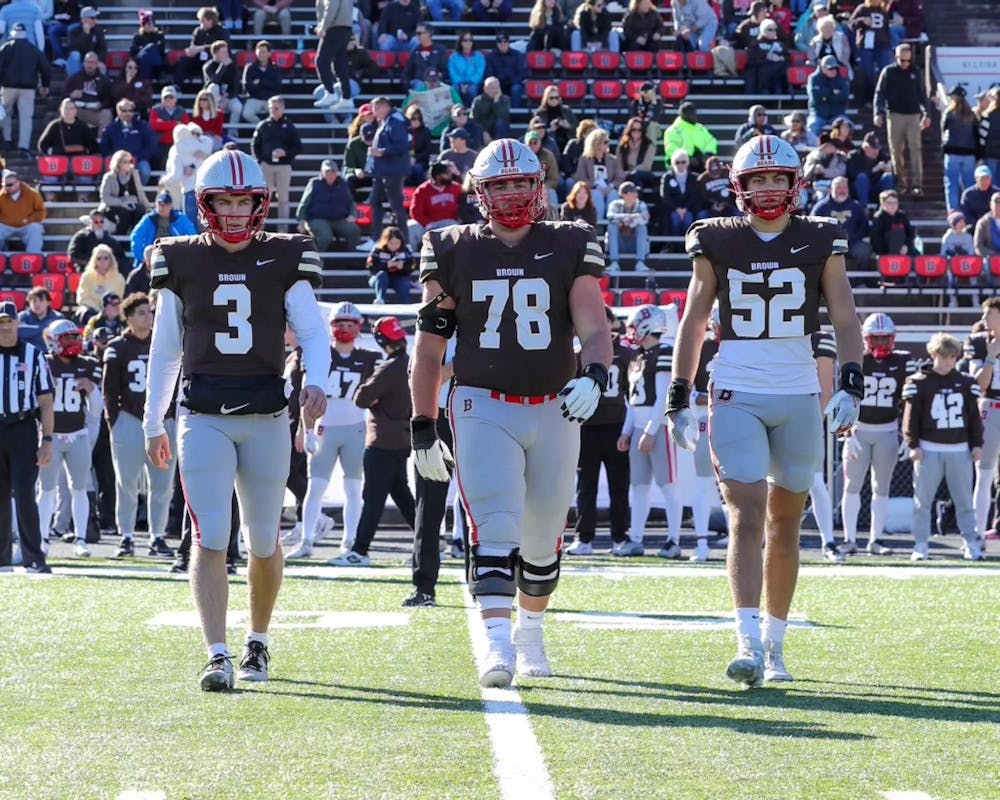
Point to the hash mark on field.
(285, 620)
(135, 795)
(906, 796)
(517, 759)
(635, 621)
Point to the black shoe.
(38, 568)
(217, 674)
(419, 600)
(69, 537)
(126, 549)
(180, 565)
(159, 548)
(231, 568)
(253, 665)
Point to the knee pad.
(537, 581)
(492, 574)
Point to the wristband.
(423, 432)
(47, 438)
(678, 395)
(852, 379)
(598, 373)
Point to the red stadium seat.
(673, 90)
(174, 56)
(20, 299)
(669, 61)
(408, 196)
(797, 76)
(610, 298)
(244, 57)
(639, 61)
(26, 263)
(637, 297)
(930, 267)
(53, 283)
(540, 62)
(575, 61)
(994, 265)
(535, 89)
(632, 88)
(798, 58)
(284, 59)
(966, 266)
(116, 60)
(608, 91)
(403, 58)
(606, 61)
(741, 60)
(699, 62)
(385, 59)
(894, 267)
(309, 61)
(677, 297)
(364, 215)
(3, 262)
(604, 282)
(573, 90)
(53, 167)
(86, 166)
(56, 263)
(73, 281)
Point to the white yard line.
(289, 620)
(518, 762)
(906, 796)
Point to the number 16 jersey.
(769, 289)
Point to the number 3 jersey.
(769, 289)
(515, 332)
(940, 412)
(69, 403)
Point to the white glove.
(852, 448)
(434, 463)
(580, 399)
(312, 442)
(684, 428)
(842, 411)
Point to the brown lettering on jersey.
(467, 405)
(724, 395)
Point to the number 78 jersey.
(769, 299)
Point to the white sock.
(850, 507)
(253, 636)
(774, 629)
(674, 506)
(822, 507)
(748, 623)
(46, 508)
(352, 508)
(81, 513)
(640, 511)
(880, 512)
(218, 649)
(498, 630)
(701, 505)
(981, 498)
(528, 620)
(312, 506)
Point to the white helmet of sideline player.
(346, 312)
(879, 332)
(760, 155)
(646, 321)
(232, 172)
(63, 338)
(501, 161)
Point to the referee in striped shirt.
(25, 396)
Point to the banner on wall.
(976, 68)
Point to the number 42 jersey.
(769, 290)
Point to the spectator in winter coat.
(681, 202)
(222, 75)
(66, 135)
(390, 151)
(852, 215)
(88, 37)
(579, 205)
(592, 28)
(901, 106)
(648, 106)
(390, 263)
(975, 202)
(262, 80)
(830, 41)
(327, 211)
(37, 317)
(959, 130)
(756, 125)
(93, 233)
(828, 92)
(123, 199)
(600, 169)
(435, 202)
(466, 67)
(191, 147)
(635, 155)
(491, 111)
(130, 85)
(558, 117)
(873, 41)
(276, 144)
(22, 212)
(891, 232)
(767, 62)
(426, 56)
(550, 166)
(986, 238)
(508, 67)
(869, 170)
(22, 67)
(797, 134)
(163, 118)
(163, 221)
(695, 23)
(460, 119)
(92, 93)
(133, 135)
(716, 189)
(149, 46)
(547, 23)
(198, 51)
(686, 133)
(398, 24)
(643, 26)
(207, 115)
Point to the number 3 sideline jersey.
(126, 361)
(769, 293)
(515, 333)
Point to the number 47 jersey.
(769, 289)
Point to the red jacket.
(211, 127)
(433, 203)
(163, 126)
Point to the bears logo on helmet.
(760, 155)
(879, 332)
(499, 164)
(646, 321)
(232, 172)
(63, 339)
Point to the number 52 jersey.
(769, 292)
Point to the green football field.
(896, 692)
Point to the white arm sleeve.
(629, 422)
(164, 361)
(303, 314)
(95, 404)
(662, 385)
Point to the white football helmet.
(499, 162)
(232, 172)
(346, 312)
(63, 338)
(766, 154)
(879, 332)
(645, 321)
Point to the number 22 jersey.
(769, 289)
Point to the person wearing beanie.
(828, 93)
(756, 125)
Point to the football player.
(651, 455)
(223, 300)
(982, 350)
(825, 353)
(75, 379)
(769, 269)
(874, 442)
(514, 290)
(126, 360)
(944, 431)
(340, 434)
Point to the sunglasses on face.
(9, 185)
(104, 258)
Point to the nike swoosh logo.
(794, 250)
(233, 410)
(268, 261)
(540, 256)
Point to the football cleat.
(748, 666)
(832, 554)
(774, 664)
(292, 535)
(419, 600)
(324, 527)
(159, 548)
(180, 565)
(973, 551)
(670, 550)
(701, 551)
(69, 537)
(628, 549)
(304, 550)
(531, 659)
(499, 670)
(876, 548)
(253, 665)
(579, 548)
(126, 549)
(217, 674)
(350, 559)
(232, 568)
(80, 549)
(847, 548)
(457, 548)
(920, 552)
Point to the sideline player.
(76, 380)
(874, 443)
(983, 352)
(705, 484)
(825, 353)
(340, 434)
(768, 269)
(223, 300)
(126, 362)
(514, 290)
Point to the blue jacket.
(144, 233)
(851, 214)
(827, 96)
(509, 69)
(393, 138)
(320, 200)
(30, 327)
(469, 69)
(139, 140)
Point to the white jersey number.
(879, 392)
(342, 383)
(531, 302)
(67, 395)
(946, 409)
(774, 314)
(236, 298)
(138, 371)
(613, 372)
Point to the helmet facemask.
(514, 209)
(345, 334)
(768, 204)
(219, 224)
(880, 345)
(68, 345)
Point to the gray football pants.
(343, 442)
(75, 455)
(516, 469)
(956, 469)
(128, 451)
(878, 453)
(252, 452)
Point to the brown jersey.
(824, 345)
(348, 372)
(126, 360)
(642, 371)
(941, 409)
(234, 303)
(514, 329)
(772, 289)
(69, 402)
(975, 352)
(611, 408)
(884, 379)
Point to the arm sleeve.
(164, 361)
(303, 314)
(662, 384)
(973, 419)
(629, 422)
